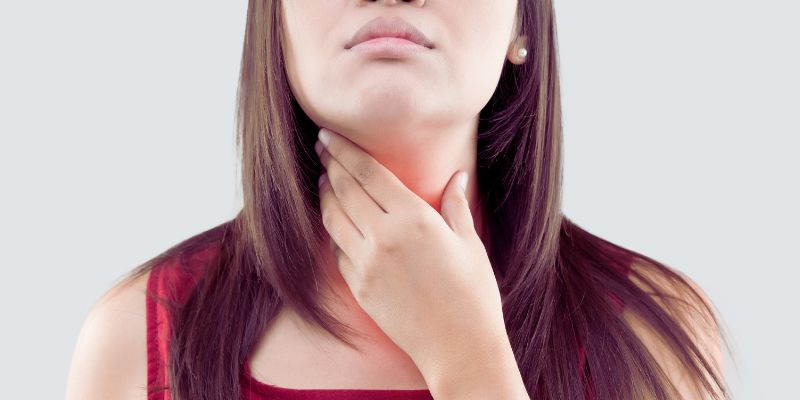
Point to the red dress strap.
(168, 286)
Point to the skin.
(417, 118)
(414, 121)
(416, 272)
(110, 356)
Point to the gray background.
(116, 141)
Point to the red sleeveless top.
(174, 280)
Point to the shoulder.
(691, 307)
(110, 357)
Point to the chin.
(387, 95)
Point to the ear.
(513, 50)
(517, 42)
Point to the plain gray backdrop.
(116, 142)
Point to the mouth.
(394, 27)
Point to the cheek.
(308, 82)
(308, 48)
(478, 40)
(476, 68)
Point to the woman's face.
(367, 96)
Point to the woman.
(388, 281)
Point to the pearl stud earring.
(522, 52)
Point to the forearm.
(494, 375)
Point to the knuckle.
(341, 185)
(364, 171)
(385, 247)
(345, 189)
(421, 221)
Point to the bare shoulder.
(693, 310)
(109, 360)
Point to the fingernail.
(322, 179)
(324, 137)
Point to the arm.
(491, 373)
(110, 357)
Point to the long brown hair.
(558, 282)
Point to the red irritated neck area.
(425, 164)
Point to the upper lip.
(394, 27)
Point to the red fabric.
(173, 282)
(257, 390)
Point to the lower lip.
(389, 47)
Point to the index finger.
(380, 184)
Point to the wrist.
(487, 372)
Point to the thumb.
(455, 206)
